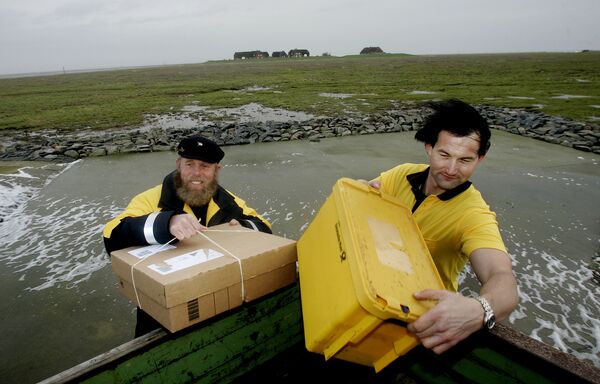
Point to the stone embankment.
(65, 146)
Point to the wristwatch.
(489, 319)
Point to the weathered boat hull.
(264, 340)
(214, 351)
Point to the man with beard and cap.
(189, 200)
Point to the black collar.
(417, 181)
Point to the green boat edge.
(264, 340)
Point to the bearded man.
(188, 200)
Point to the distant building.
(250, 55)
(299, 53)
(279, 54)
(369, 50)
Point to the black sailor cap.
(200, 148)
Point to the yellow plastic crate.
(360, 261)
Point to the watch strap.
(489, 319)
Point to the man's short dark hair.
(458, 118)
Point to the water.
(192, 116)
(60, 304)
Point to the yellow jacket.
(146, 218)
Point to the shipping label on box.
(200, 277)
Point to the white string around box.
(137, 298)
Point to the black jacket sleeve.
(141, 230)
(229, 209)
(254, 222)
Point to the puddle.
(568, 97)
(595, 106)
(172, 121)
(192, 116)
(521, 97)
(336, 95)
(352, 112)
(257, 112)
(253, 88)
(582, 80)
(421, 93)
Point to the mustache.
(195, 198)
(178, 180)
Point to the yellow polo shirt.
(453, 224)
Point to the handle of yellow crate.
(406, 343)
(353, 335)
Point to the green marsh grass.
(109, 99)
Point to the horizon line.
(107, 69)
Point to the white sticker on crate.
(390, 248)
(186, 260)
(142, 253)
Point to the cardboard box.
(198, 278)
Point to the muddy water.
(197, 116)
(60, 304)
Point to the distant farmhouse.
(250, 55)
(262, 55)
(299, 53)
(370, 50)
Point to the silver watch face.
(490, 322)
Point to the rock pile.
(66, 146)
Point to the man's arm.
(253, 222)
(455, 317)
(130, 231)
(247, 216)
(499, 286)
(143, 223)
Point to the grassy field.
(118, 98)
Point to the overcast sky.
(49, 35)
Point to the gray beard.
(195, 198)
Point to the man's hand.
(373, 183)
(184, 225)
(453, 319)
